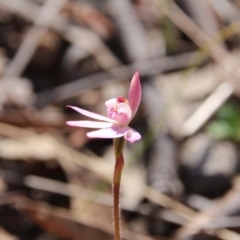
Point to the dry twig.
(30, 43)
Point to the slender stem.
(118, 146)
(116, 195)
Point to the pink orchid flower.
(120, 112)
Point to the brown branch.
(226, 205)
(77, 36)
(211, 48)
(34, 36)
(150, 67)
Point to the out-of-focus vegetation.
(226, 125)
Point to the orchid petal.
(111, 107)
(92, 115)
(124, 108)
(111, 103)
(116, 131)
(90, 124)
(135, 93)
(113, 132)
(124, 114)
(131, 135)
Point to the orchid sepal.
(91, 114)
(90, 124)
(135, 93)
(115, 132)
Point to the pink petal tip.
(135, 93)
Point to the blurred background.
(181, 181)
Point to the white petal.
(90, 124)
(125, 108)
(113, 132)
(92, 115)
(111, 103)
